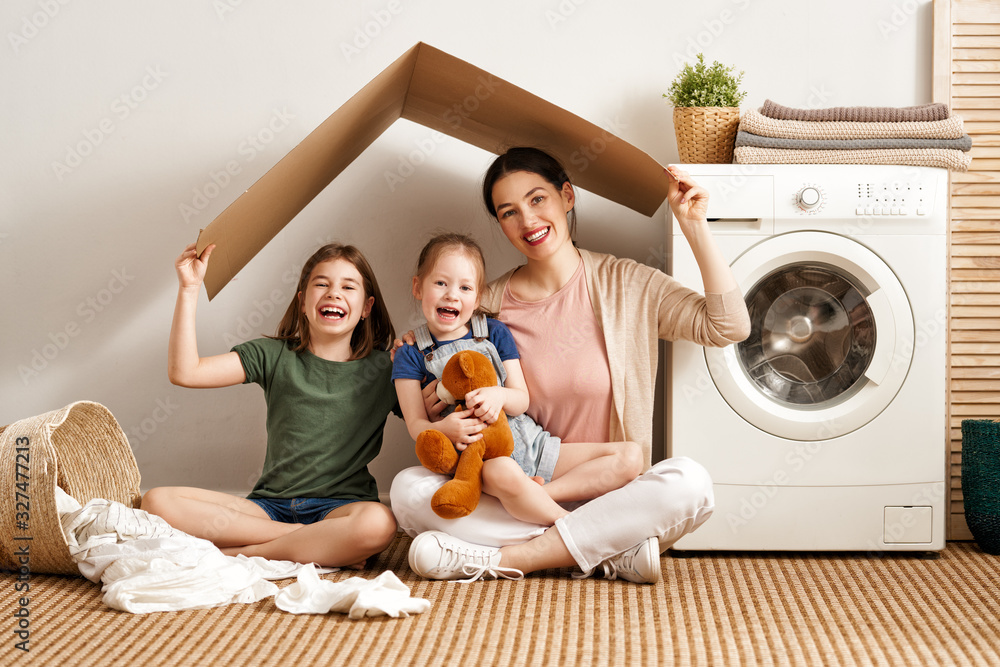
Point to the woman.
(586, 325)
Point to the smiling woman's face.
(532, 213)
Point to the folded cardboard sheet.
(437, 90)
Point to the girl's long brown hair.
(375, 332)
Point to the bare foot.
(356, 566)
(540, 481)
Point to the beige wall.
(124, 132)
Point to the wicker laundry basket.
(706, 135)
(981, 481)
(79, 448)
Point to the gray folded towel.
(750, 139)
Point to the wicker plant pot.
(79, 448)
(706, 135)
(981, 481)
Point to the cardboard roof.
(437, 90)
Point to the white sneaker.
(640, 564)
(437, 555)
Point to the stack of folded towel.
(927, 136)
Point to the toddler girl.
(325, 377)
(543, 472)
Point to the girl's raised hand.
(688, 200)
(190, 267)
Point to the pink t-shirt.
(564, 359)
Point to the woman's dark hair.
(533, 161)
(374, 332)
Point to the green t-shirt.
(324, 420)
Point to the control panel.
(894, 198)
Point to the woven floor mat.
(709, 609)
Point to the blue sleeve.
(409, 365)
(502, 340)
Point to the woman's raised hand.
(190, 267)
(687, 199)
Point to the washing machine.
(825, 429)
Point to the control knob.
(808, 198)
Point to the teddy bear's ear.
(467, 363)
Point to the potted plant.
(706, 111)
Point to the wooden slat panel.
(976, 324)
(984, 250)
(963, 336)
(975, 238)
(975, 201)
(982, 127)
(970, 11)
(982, 385)
(976, 29)
(976, 66)
(973, 78)
(975, 300)
(958, 529)
(975, 373)
(975, 189)
(973, 288)
(976, 54)
(967, 77)
(976, 177)
(973, 225)
(974, 347)
(960, 312)
(974, 275)
(972, 411)
(970, 114)
(985, 151)
(974, 397)
(979, 41)
(963, 360)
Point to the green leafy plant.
(701, 86)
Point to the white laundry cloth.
(385, 595)
(146, 565)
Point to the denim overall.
(535, 450)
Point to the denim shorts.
(300, 510)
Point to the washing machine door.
(831, 337)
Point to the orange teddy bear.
(458, 497)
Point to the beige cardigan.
(635, 305)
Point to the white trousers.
(669, 500)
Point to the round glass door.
(831, 337)
(812, 335)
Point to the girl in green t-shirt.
(325, 376)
